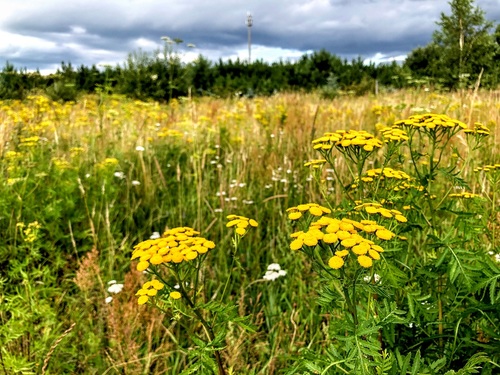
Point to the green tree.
(467, 47)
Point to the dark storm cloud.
(41, 34)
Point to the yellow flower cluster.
(399, 179)
(175, 246)
(31, 232)
(29, 141)
(149, 289)
(334, 232)
(479, 129)
(377, 208)
(317, 163)
(295, 213)
(430, 121)
(61, 163)
(487, 168)
(394, 134)
(241, 223)
(387, 173)
(343, 140)
(465, 195)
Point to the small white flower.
(497, 258)
(120, 175)
(155, 236)
(273, 272)
(274, 267)
(218, 210)
(87, 175)
(108, 299)
(247, 201)
(111, 282)
(115, 288)
(376, 278)
(140, 148)
(136, 183)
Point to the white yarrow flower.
(155, 236)
(273, 272)
(115, 288)
(136, 183)
(120, 175)
(140, 148)
(108, 299)
(376, 278)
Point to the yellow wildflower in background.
(347, 141)
(430, 121)
(465, 195)
(488, 168)
(316, 163)
(241, 224)
(479, 129)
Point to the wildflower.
(175, 246)
(273, 272)
(149, 289)
(328, 232)
(295, 213)
(364, 261)
(140, 148)
(479, 130)
(155, 235)
(241, 223)
(110, 161)
(175, 295)
(488, 168)
(375, 278)
(119, 175)
(394, 134)
(316, 163)
(336, 262)
(108, 299)
(350, 142)
(384, 234)
(465, 195)
(376, 208)
(115, 288)
(135, 183)
(430, 122)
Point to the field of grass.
(83, 183)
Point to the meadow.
(356, 235)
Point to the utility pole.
(249, 23)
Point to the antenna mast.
(249, 23)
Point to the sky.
(38, 34)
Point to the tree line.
(463, 53)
